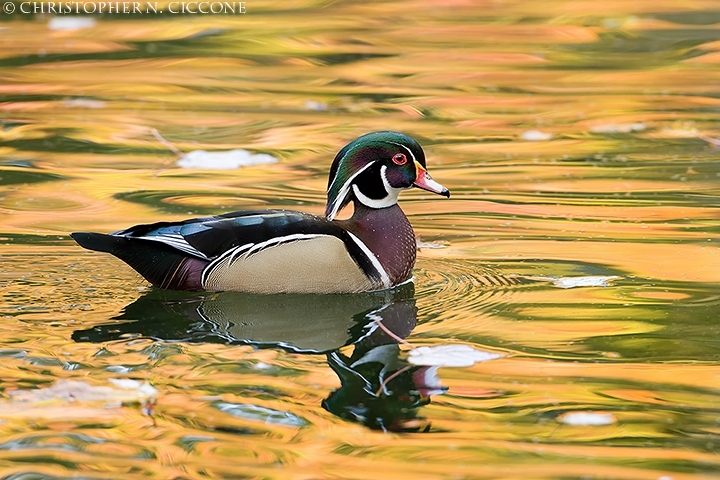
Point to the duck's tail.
(158, 263)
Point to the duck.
(284, 251)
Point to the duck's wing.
(208, 238)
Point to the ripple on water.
(468, 285)
(52, 444)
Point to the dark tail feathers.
(99, 242)
(159, 264)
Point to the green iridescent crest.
(358, 156)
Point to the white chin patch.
(387, 201)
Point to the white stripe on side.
(177, 242)
(384, 277)
(278, 240)
(248, 249)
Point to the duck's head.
(374, 169)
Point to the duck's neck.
(389, 235)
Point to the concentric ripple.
(469, 285)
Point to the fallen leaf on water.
(618, 128)
(228, 160)
(84, 103)
(587, 418)
(536, 136)
(75, 399)
(434, 245)
(450, 356)
(715, 142)
(128, 391)
(678, 132)
(313, 105)
(70, 23)
(574, 282)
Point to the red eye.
(399, 159)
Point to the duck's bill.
(425, 181)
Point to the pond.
(576, 263)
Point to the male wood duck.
(281, 251)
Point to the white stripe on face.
(344, 192)
(387, 201)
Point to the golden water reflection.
(576, 139)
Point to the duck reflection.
(378, 388)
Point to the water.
(577, 141)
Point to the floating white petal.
(85, 103)
(432, 245)
(574, 282)
(228, 160)
(128, 391)
(449, 356)
(618, 128)
(143, 389)
(71, 23)
(587, 418)
(589, 281)
(313, 105)
(536, 136)
(679, 132)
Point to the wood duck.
(281, 251)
